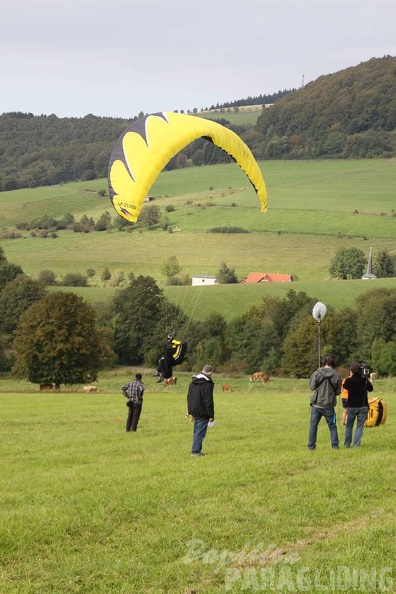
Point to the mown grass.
(87, 507)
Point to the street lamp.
(319, 311)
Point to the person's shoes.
(156, 374)
(195, 455)
(335, 447)
(161, 379)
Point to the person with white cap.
(200, 405)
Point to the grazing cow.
(227, 388)
(171, 381)
(46, 387)
(258, 375)
(373, 377)
(265, 379)
(90, 389)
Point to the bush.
(47, 278)
(11, 235)
(74, 279)
(228, 230)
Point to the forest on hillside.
(349, 114)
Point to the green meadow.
(314, 208)
(240, 117)
(89, 508)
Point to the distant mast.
(369, 274)
(302, 82)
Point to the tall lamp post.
(319, 311)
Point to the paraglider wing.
(149, 143)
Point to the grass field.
(88, 508)
(241, 117)
(314, 208)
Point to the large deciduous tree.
(8, 272)
(300, 349)
(383, 357)
(150, 216)
(15, 298)
(376, 318)
(57, 341)
(348, 263)
(138, 310)
(171, 268)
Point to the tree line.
(349, 114)
(60, 338)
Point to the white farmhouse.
(199, 281)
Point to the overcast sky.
(117, 58)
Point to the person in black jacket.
(357, 387)
(174, 355)
(200, 406)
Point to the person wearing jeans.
(200, 406)
(330, 416)
(357, 387)
(326, 384)
(360, 414)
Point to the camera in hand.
(364, 371)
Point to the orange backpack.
(376, 413)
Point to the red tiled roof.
(267, 277)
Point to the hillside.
(351, 113)
(348, 114)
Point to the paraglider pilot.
(174, 355)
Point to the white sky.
(119, 57)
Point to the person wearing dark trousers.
(357, 387)
(200, 405)
(133, 392)
(174, 355)
(326, 384)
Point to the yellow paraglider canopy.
(149, 143)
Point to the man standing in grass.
(134, 391)
(326, 383)
(200, 406)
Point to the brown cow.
(257, 375)
(171, 381)
(226, 388)
(265, 379)
(46, 387)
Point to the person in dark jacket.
(174, 355)
(200, 405)
(326, 383)
(357, 387)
